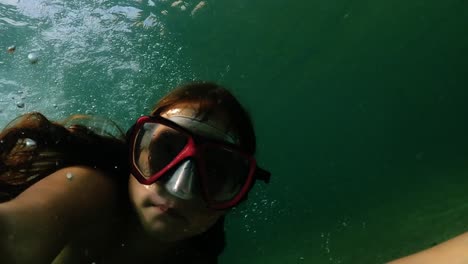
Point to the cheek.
(135, 190)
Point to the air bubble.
(33, 57)
(30, 143)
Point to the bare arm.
(453, 251)
(42, 220)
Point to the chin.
(165, 232)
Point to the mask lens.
(226, 173)
(156, 145)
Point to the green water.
(359, 106)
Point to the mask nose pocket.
(182, 181)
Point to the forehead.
(215, 125)
(216, 118)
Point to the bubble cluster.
(122, 53)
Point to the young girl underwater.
(68, 197)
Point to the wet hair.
(210, 98)
(32, 147)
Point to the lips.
(166, 210)
(153, 200)
(164, 207)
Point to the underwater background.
(360, 107)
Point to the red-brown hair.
(211, 98)
(53, 146)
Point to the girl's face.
(168, 218)
(165, 216)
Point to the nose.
(182, 182)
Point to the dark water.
(360, 106)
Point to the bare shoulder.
(47, 216)
(65, 190)
(453, 251)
